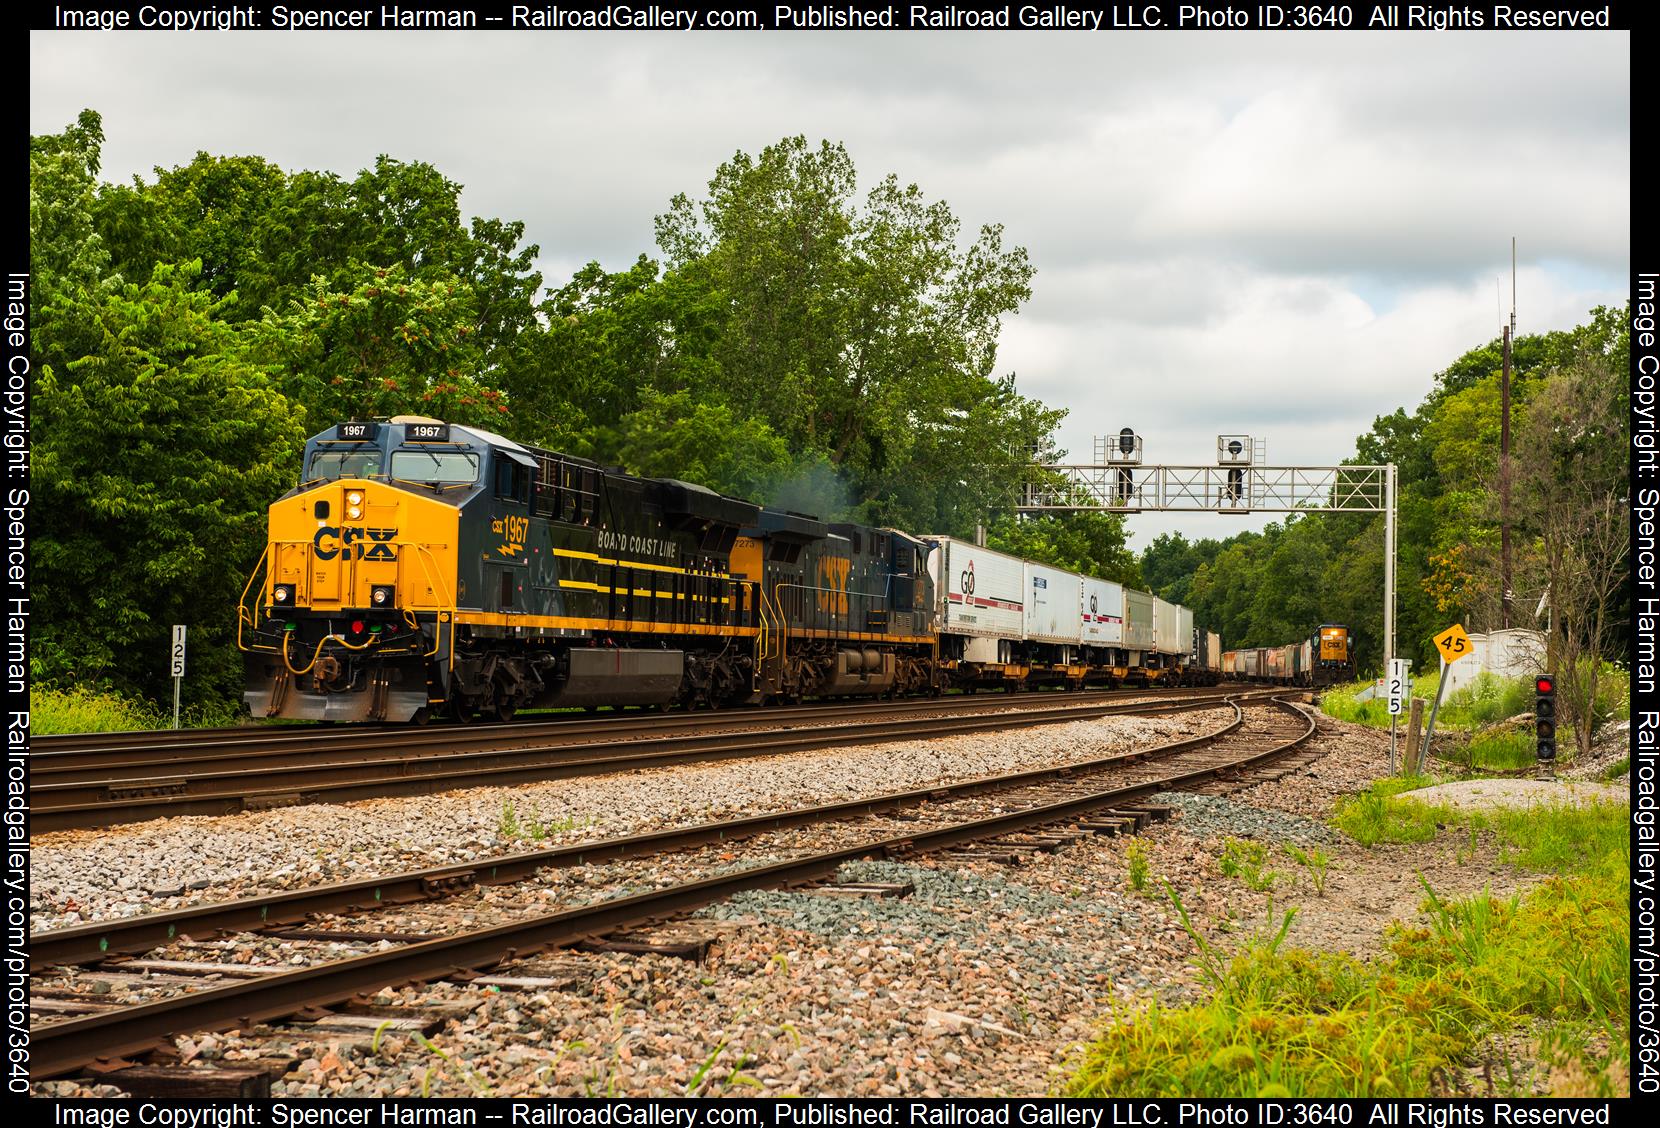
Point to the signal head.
(1544, 683)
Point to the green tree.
(386, 345)
(863, 333)
(673, 436)
(159, 450)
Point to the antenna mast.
(1505, 594)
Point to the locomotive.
(424, 569)
(1326, 657)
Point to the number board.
(178, 651)
(1454, 644)
(1396, 686)
(356, 432)
(426, 432)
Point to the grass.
(1287, 1022)
(54, 711)
(1617, 769)
(1486, 701)
(532, 828)
(1136, 854)
(1245, 859)
(1376, 815)
(1315, 860)
(1502, 751)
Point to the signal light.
(357, 626)
(1544, 717)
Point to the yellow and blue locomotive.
(424, 569)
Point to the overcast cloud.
(1284, 235)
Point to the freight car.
(425, 569)
(1325, 658)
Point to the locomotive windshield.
(447, 466)
(360, 463)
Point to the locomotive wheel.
(420, 717)
(506, 711)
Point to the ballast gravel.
(84, 876)
(987, 979)
(1217, 816)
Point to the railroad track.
(80, 788)
(1013, 812)
(160, 745)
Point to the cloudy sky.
(1278, 234)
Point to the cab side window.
(512, 481)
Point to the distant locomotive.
(425, 569)
(1326, 657)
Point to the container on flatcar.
(1053, 598)
(1168, 636)
(1139, 614)
(980, 593)
(1103, 612)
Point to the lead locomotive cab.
(423, 568)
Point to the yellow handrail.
(423, 554)
(245, 614)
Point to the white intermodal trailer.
(1054, 625)
(981, 608)
(1103, 613)
(1138, 625)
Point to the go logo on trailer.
(380, 546)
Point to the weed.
(545, 1075)
(1375, 815)
(510, 825)
(474, 1081)
(1617, 769)
(1315, 861)
(1502, 751)
(507, 826)
(1288, 1022)
(1136, 853)
(79, 709)
(1245, 859)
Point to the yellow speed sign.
(1454, 644)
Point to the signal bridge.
(1117, 482)
(1208, 489)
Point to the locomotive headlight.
(380, 595)
(283, 595)
(353, 512)
(354, 498)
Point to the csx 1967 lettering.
(350, 541)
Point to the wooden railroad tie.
(875, 889)
(692, 948)
(239, 1081)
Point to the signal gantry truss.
(1117, 483)
(1133, 488)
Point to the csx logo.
(832, 576)
(380, 546)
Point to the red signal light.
(357, 626)
(1544, 685)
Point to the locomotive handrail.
(835, 616)
(245, 615)
(422, 554)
